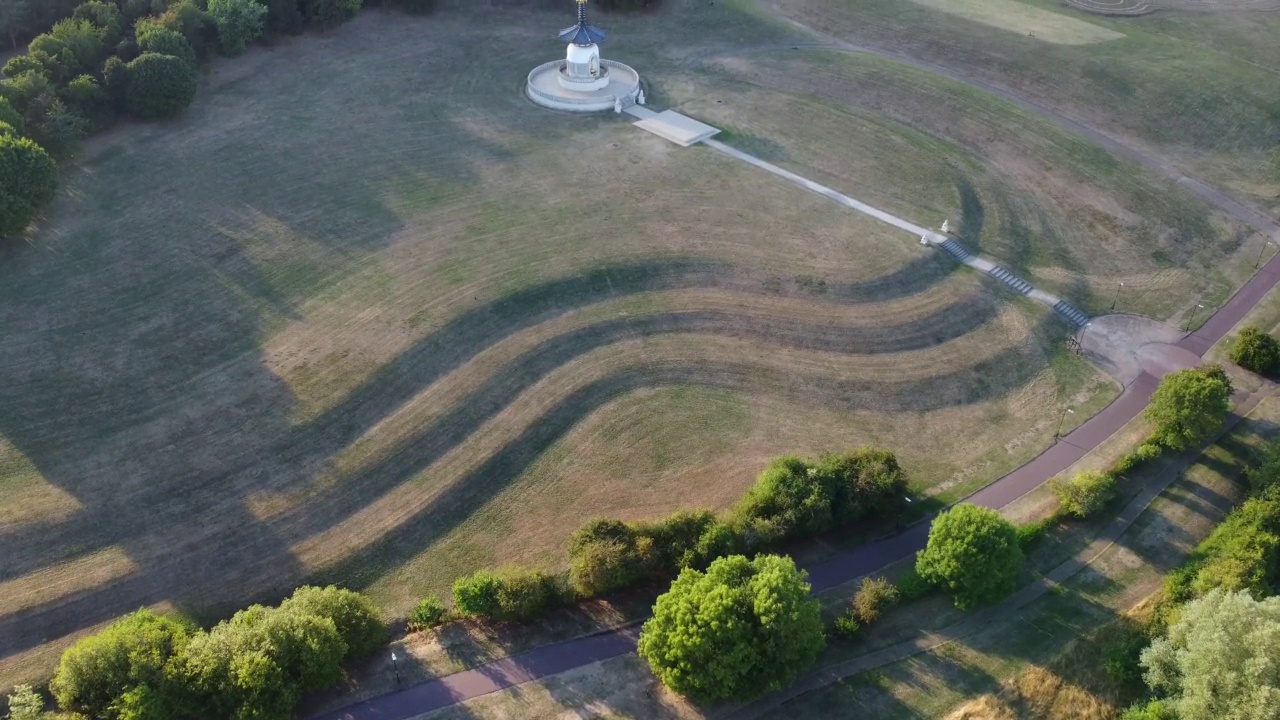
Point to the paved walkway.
(998, 273)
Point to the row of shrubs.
(258, 664)
(793, 498)
(114, 58)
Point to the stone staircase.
(1076, 316)
(1071, 312)
(1021, 286)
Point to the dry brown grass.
(257, 346)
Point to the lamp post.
(1261, 250)
(1116, 297)
(1192, 319)
(1061, 420)
(396, 667)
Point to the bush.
(1242, 553)
(104, 16)
(428, 613)
(1086, 493)
(476, 595)
(718, 540)
(1266, 474)
(160, 86)
(259, 663)
(675, 539)
(90, 101)
(1121, 656)
(186, 17)
(131, 652)
(847, 627)
(912, 585)
(60, 130)
(239, 23)
(330, 13)
(1031, 533)
(788, 501)
(115, 81)
(874, 596)
(354, 616)
(1150, 710)
(28, 182)
(1257, 351)
(524, 594)
(156, 38)
(973, 553)
(605, 565)
(864, 482)
(742, 628)
(25, 703)
(1148, 451)
(1189, 407)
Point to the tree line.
(92, 63)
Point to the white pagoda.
(583, 82)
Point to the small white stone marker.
(640, 97)
(617, 105)
(944, 226)
(924, 240)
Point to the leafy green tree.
(239, 23)
(88, 99)
(1218, 660)
(738, 630)
(196, 25)
(788, 501)
(133, 651)
(973, 553)
(1086, 493)
(1242, 553)
(115, 81)
(105, 16)
(428, 613)
(156, 38)
(524, 595)
(29, 63)
(25, 704)
(353, 614)
(60, 130)
(160, 86)
(1257, 351)
(74, 47)
(1190, 406)
(331, 13)
(604, 555)
(28, 182)
(867, 481)
(258, 664)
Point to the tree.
(15, 19)
(74, 47)
(788, 501)
(353, 614)
(156, 38)
(1190, 406)
(331, 13)
(160, 86)
(1151, 710)
(1086, 493)
(88, 99)
(1257, 351)
(28, 182)
(10, 116)
(738, 630)
(25, 704)
(865, 481)
(131, 652)
(604, 555)
(105, 16)
(60, 130)
(1217, 662)
(973, 553)
(186, 17)
(239, 23)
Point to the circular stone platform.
(544, 87)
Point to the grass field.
(1199, 87)
(1041, 661)
(386, 337)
